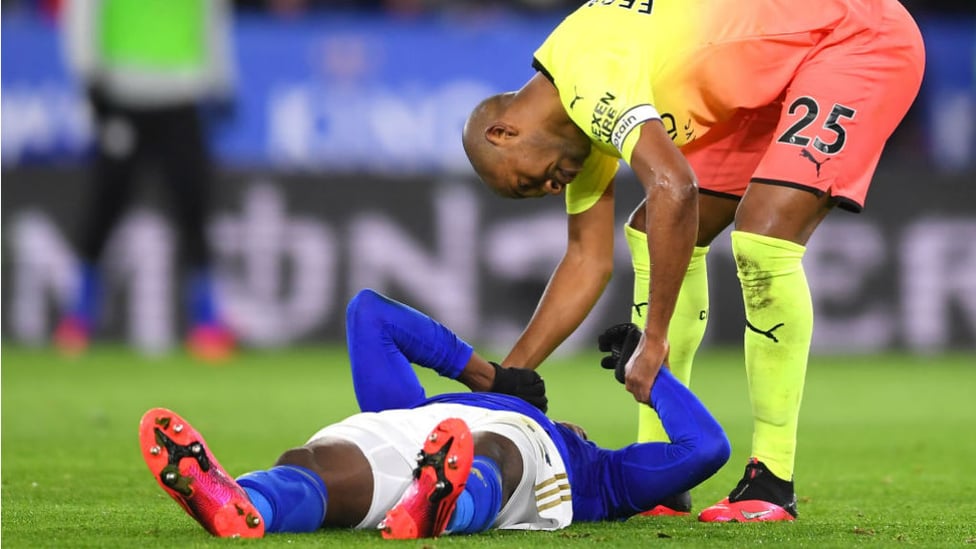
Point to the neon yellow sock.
(687, 325)
(779, 327)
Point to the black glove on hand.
(521, 382)
(619, 340)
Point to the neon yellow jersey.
(688, 63)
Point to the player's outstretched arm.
(575, 286)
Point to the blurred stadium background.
(340, 167)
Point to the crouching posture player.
(487, 460)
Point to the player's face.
(535, 167)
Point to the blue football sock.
(289, 498)
(262, 504)
(481, 500)
(463, 513)
(85, 303)
(203, 307)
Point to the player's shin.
(481, 500)
(75, 327)
(779, 328)
(289, 498)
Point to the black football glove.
(619, 340)
(521, 382)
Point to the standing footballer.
(764, 115)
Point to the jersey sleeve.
(616, 102)
(606, 91)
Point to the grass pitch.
(887, 452)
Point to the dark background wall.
(341, 168)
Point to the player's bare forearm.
(478, 374)
(574, 287)
(482, 375)
(570, 295)
(671, 221)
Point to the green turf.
(887, 449)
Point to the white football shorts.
(391, 440)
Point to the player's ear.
(497, 133)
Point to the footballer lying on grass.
(486, 459)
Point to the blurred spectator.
(148, 67)
(296, 7)
(405, 7)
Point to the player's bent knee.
(505, 454)
(303, 457)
